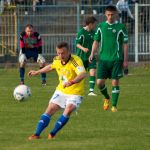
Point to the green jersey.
(84, 38)
(111, 38)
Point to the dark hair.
(63, 44)
(29, 26)
(90, 19)
(111, 8)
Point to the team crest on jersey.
(114, 31)
(80, 69)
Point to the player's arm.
(46, 69)
(22, 44)
(39, 42)
(77, 79)
(82, 48)
(125, 47)
(79, 42)
(97, 38)
(94, 47)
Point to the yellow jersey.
(68, 72)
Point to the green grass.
(90, 129)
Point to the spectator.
(1, 6)
(88, 2)
(123, 9)
(37, 3)
(125, 13)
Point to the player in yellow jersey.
(69, 92)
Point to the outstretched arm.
(43, 70)
(94, 47)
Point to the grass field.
(90, 129)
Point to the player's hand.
(67, 84)
(40, 59)
(86, 50)
(91, 58)
(32, 73)
(125, 66)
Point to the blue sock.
(43, 75)
(22, 72)
(42, 124)
(59, 124)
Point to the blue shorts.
(31, 53)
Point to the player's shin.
(43, 77)
(92, 83)
(104, 91)
(59, 124)
(115, 95)
(22, 72)
(42, 124)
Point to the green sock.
(115, 95)
(92, 83)
(103, 90)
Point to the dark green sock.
(92, 83)
(103, 90)
(115, 95)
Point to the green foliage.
(90, 128)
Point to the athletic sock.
(115, 95)
(59, 124)
(92, 83)
(104, 91)
(22, 72)
(43, 75)
(42, 124)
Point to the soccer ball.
(21, 92)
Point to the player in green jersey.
(84, 41)
(113, 55)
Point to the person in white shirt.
(125, 13)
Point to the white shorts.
(63, 99)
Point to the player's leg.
(43, 75)
(62, 120)
(41, 61)
(72, 102)
(92, 78)
(44, 120)
(117, 73)
(115, 94)
(102, 74)
(22, 61)
(92, 81)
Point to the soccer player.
(30, 47)
(113, 55)
(69, 92)
(84, 41)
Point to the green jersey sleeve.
(80, 38)
(97, 36)
(125, 34)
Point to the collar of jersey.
(66, 61)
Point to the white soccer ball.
(21, 92)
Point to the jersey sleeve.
(97, 36)
(78, 66)
(80, 38)
(22, 45)
(125, 34)
(39, 42)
